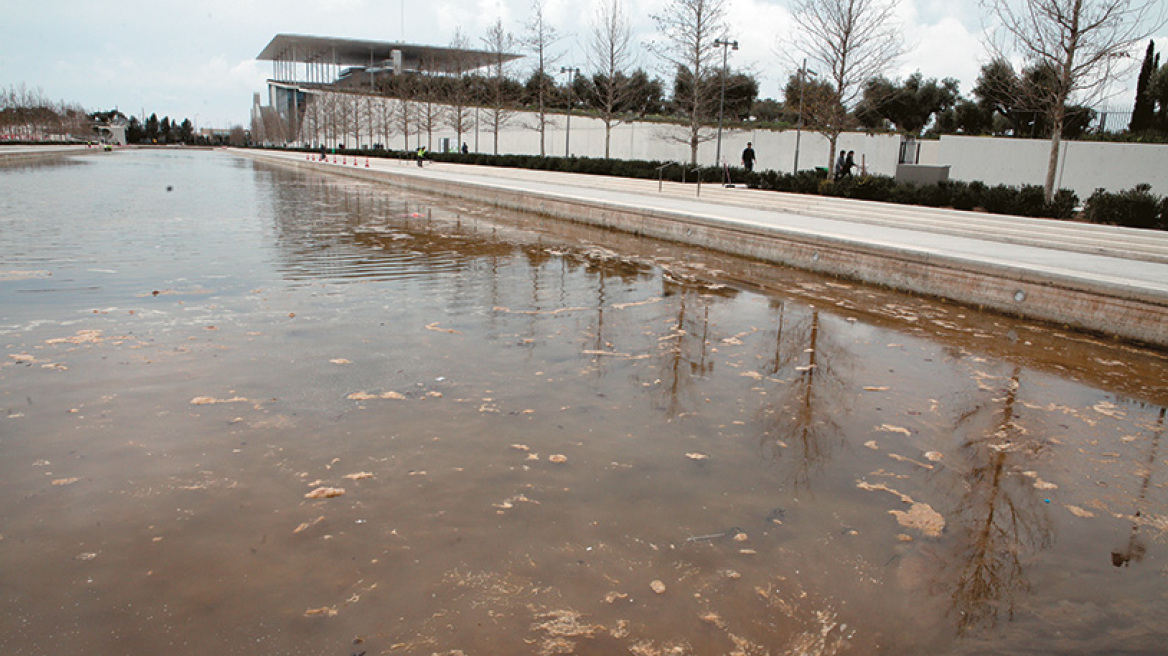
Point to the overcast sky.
(197, 60)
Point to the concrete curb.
(22, 155)
(1126, 308)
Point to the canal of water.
(247, 410)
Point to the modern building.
(302, 64)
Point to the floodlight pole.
(722, 98)
(803, 71)
(572, 73)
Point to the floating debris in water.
(657, 586)
(307, 525)
(614, 595)
(358, 476)
(366, 396)
(898, 457)
(922, 517)
(325, 493)
(696, 456)
(434, 326)
(81, 337)
(557, 458)
(210, 400)
(321, 612)
(1040, 484)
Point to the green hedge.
(1135, 208)
(1027, 200)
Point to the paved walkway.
(1101, 278)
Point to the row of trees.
(164, 131)
(28, 115)
(1003, 103)
(1068, 50)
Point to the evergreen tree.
(152, 128)
(135, 133)
(1158, 90)
(1143, 112)
(186, 132)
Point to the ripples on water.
(193, 343)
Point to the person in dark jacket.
(748, 157)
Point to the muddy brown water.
(550, 439)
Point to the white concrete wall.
(1085, 165)
(993, 160)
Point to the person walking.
(849, 164)
(748, 157)
(839, 165)
(421, 154)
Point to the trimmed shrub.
(999, 199)
(963, 195)
(1063, 205)
(1030, 201)
(1134, 208)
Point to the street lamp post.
(803, 71)
(725, 45)
(572, 73)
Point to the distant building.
(110, 126)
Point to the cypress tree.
(1143, 112)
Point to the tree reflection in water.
(1134, 549)
(685, 349)
(802, 414)
(1000, 518)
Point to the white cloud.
(945, 49)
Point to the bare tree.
(406, 118)
(690, 28)
(540, 37)
(384, 118)
(610, 56)
(429, 110)
(850, 41)
(498, 43)
(369, 116)
(1079, 41)
(459, 115)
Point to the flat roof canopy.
(359, 52)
